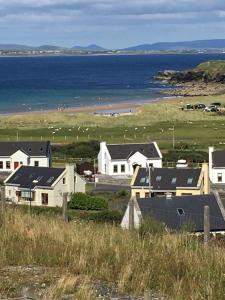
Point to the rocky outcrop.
(193, 82)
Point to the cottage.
(42, 186)
(14, 154)
(122, 159)
(172, 181)
(178, 212)
(217, 166)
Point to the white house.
(122, 159)
(14, 154)
(216, 166)
(42, 186)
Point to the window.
(137, 195)
(174, 180)
(21, 162)
(219, 177)
(44, 198)
(64, 180)
(122, 168)
(26, 194)
(186, 194)
(1, 164)
(158, 178)
(36, 163)
(190, 180)
(8, 165)
(146, 195)
(180, 211)
(115, 169)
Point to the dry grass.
(174, 265)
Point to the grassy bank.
(151, 122)
(174, 265)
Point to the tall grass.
(174, 265)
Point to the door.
(16, 164)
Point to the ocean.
(42, 83)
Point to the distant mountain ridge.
(198, 44)
(161, 46)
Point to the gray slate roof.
(168, 178)
(30, 148)
(218, 159)
(24, 177)
(166, 211)
(124, 151)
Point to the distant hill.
(199, 44)
(49, 48)
(91, 47)
(15, 47)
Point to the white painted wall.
(106, 164)
(214, 172)
(137, 218)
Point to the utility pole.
(65, 207)
(173, 136)
(206, 225)
(3, 199)
(150, 168)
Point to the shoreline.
(97, 109)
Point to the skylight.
(50, 179)
(158, 178)
(142, 180)
(180, 211)
(190, 180)
(174, 180)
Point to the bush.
(105, 216)
(85, 202)
(194, 156)
(122, 193)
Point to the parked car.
(211, 108)
(188, 107)
(216, 104)
(199, 106)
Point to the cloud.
(102, 15)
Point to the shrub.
(105, 216)
(85, 202)
(122, 193)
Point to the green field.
(151, 122)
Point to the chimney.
(70, 178)
(205, 169)
(168, 196)
(211, 150)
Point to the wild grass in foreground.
(174, 265)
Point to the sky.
(109, 23)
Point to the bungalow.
(178, 212)
(42, 186)
(14, 154)
(216, 166)
(172, 181)
(122, 159)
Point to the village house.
(217, 166)
(170, 181)
(14, 154)
(177, 212)
(42, 186)
(122, 159)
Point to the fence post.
(147, 295)
(206, 225)
(65, 207)
(131, 214)
(2, 199)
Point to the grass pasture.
(151, 122)
(177, 266)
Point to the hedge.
(86, 202)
